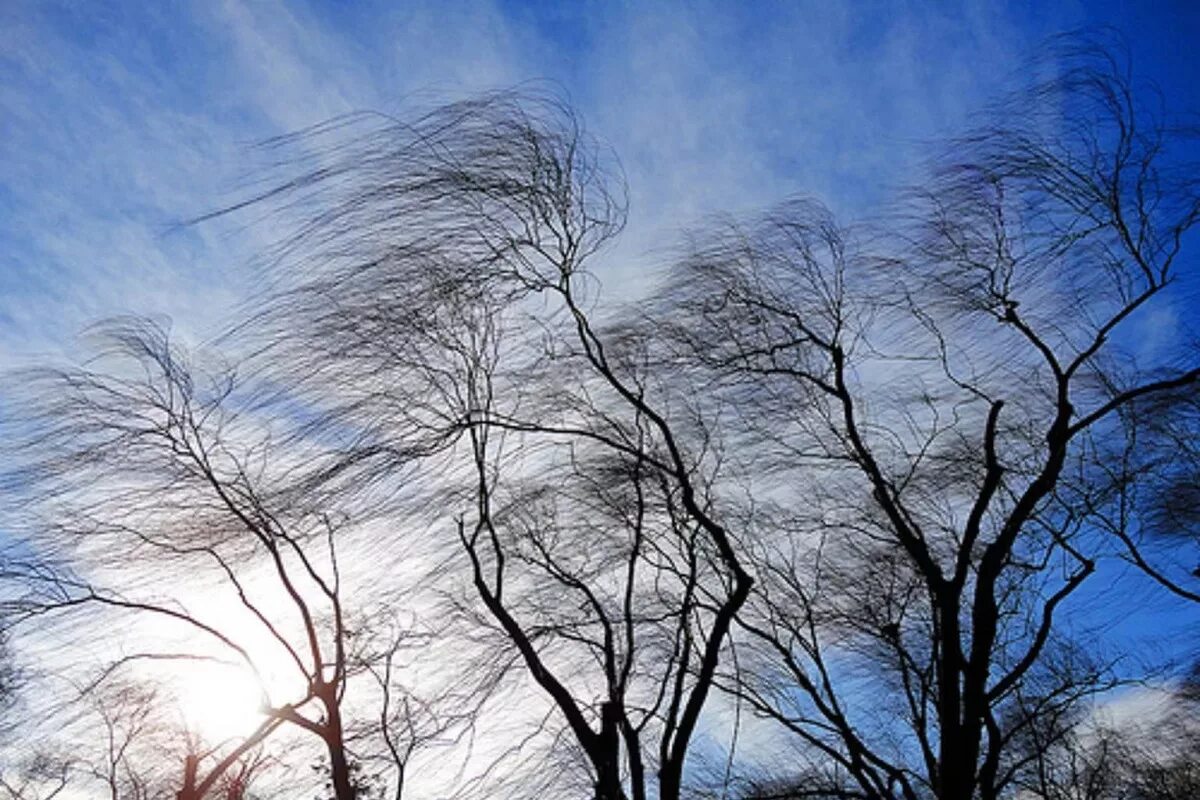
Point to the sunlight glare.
(221, 702)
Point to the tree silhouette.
(958, 400)
(464, 332)
(141, 471)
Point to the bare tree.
(42, 778)
(1151, 755)
(951, 400)
(154, 499)
(444, 310)
(126, 714)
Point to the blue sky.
(119, 119)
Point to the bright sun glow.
(221, 702)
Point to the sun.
(221, 701)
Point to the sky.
(119, 120)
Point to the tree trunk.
(189, 792)
(956, 764)
(339, 766)
(670, 782)
(608, 760)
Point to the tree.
(42, 778)
(1104, 758)
(142, 476)
(126, 714)
(444, 312)
(959, 396)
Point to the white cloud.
(120, 124)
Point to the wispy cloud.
(118, 122)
